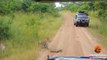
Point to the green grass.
(26, 31)
(98, 28)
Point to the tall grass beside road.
(25, 31)
(98, 27)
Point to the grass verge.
(26, 31)
(98, 28)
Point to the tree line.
(11, 6)
(99, 6)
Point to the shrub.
(4, 31)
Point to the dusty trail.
(74, 41)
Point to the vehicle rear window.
(81, 14)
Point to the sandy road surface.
(74, 41)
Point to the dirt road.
(73, 41)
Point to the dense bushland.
(12, 6)
(22, 6)
(23, 25)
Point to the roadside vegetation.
(98, 17)
(23, 25)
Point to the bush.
(4, 31)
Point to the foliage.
(10, 6)
(4, 31)
(99, 6)
(23, 24)
(27, 30)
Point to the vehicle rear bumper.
(82, 23)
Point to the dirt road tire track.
(74, 41)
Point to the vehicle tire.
(87, 25)
(76, 25)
